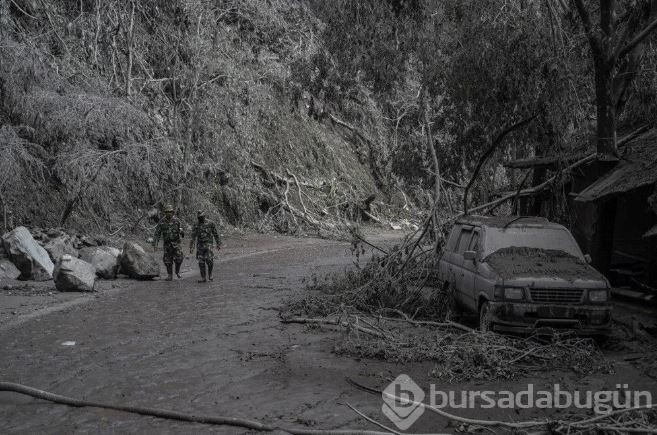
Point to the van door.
(470, 273)
(446, 266)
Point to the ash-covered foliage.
(398, 281)
(22, 168)
(136, 104)
(463, 356)
(351, 98)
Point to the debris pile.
(395, 280)
(58, 241)
(460, 353)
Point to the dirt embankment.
(515, 262)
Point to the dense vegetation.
(286, 114)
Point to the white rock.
(27, 255)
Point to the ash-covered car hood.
(515, 262)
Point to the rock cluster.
(79, 260)
(59, 242)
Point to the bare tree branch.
(636, 41)
(588, 27)
(535, 189)
(493, 146)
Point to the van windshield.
(528, 237)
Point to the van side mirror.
(470, 255)
(588, 258)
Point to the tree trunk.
(602, 241)
(130, 35)
(535, 204)
(436, 168)
(434, 155)
(606, 111)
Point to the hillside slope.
(111, 108)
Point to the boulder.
(8, 270)
(137, 263)
(74, 275)
(103, 258)
(59, 246)
(27, 255)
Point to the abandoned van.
(523, 274)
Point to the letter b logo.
(400, 402)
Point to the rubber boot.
(169, 272)
(210, 266)
(178, 270)
(201, 267)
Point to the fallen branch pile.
(397, 279)
(460, 353)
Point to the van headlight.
(598, 295)
(515, 294)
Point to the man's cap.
(168, 208)
(200, 213)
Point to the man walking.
(170, 230)
(204, 234)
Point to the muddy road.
(218, 349)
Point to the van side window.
(464, 241)
(474, 244)
(452, 241)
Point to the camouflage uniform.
(204, 234)
(170, 230)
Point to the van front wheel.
(485, 317)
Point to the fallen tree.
(175, 415)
